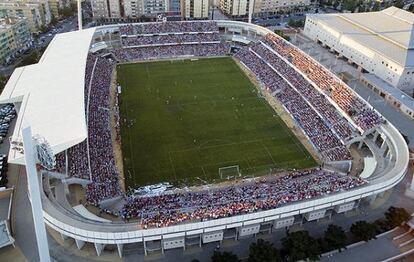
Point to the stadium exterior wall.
(112, 233)
(100, 233)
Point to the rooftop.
(389, 32)
(396, 93)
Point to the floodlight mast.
(34, 194)
(79, 15)
(251, 7)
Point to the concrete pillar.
(410, 191)
(64, 237)
(372, 199)
(145, 249)
(376, 134)
(199, 243)
(361, 143)
(384, 145)
(120, 249)
(389, 155)
(66, 163)
(79, 243)
(66, 188)
(99, 248)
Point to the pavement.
(374, 250)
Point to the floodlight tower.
(79, 15)
(34, 193)
(251, 7)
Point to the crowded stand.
(330, 115)
(169, 27)
(102, 160)
(155, 40)
(320, 135)
(78, 165)
(363, 116)
(163, 52)
(267, 193)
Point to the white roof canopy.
(51, 93)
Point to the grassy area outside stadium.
(182, 120)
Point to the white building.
(133, 8)
(264, 6)
(234, 7)
(380, 43)
(106, 8)
(128, 8)
(195, 9)
(154, 6)
(241, 7)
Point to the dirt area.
(116, 144)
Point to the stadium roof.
(51, 93)
(388, 32)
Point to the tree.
(32, 58)
(67, 11)
(335, 237)
(224, 257)
(53, 21)
(3, 81)
(263, 251)
(363, 230)
(282, 34)
(376, 6)
(300, 246)
(397, 216)
(399, 3)
(382, 225)
(296, 23)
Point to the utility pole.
(79, 15)
(251, 7)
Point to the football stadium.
(165, 135)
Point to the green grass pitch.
(183, 120)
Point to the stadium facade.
(50, 96)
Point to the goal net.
(229, 171)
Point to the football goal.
(229, 172)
